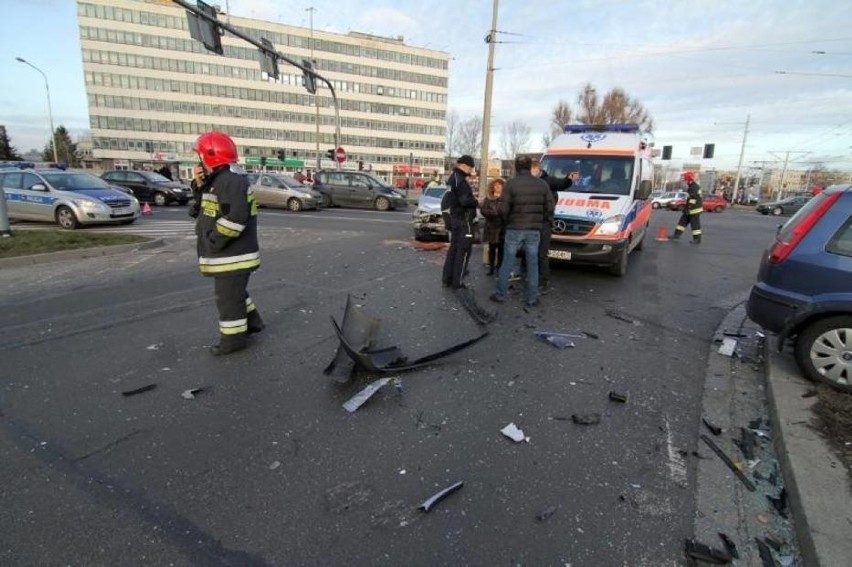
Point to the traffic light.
(360, 165)
(330, 153)
(203, 30)
(667, 152)
(310, 80)
(282, 155)
(708, 150)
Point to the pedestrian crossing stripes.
(159, 228)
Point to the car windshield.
(75, 181)
(598, 174)
(434, 192)
(155, 177)
(291, 183)
(376, 182)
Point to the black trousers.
(458, 257)
(237, 312)
(495, 255)
(543, 260)
(688, 219)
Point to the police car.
(68, 198)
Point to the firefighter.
(227, 240)
(692, 210)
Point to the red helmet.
(689, 176)
(215, 149)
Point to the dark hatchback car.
(356, 189)
(788, 206)
(150, 187)
(804, 287)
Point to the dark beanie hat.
(466, 160)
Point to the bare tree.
(452, 132)
(616, 107)
(514, 139)
(561, 117)
(587, 102)
(469, 137)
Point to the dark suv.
(356, 189)
(150, 187)
(804, 287)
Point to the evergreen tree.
(65, 148)
(7, 150)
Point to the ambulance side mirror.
(644, 190)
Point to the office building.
(152, 89)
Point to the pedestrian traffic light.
(360, 165)
(708, 150)
(667, 152)
(330, 153)
(310, 80)
(282, 155)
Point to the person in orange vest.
(691, 214)
(228, 250)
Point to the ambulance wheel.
(619, 268)
(641, 243)
(66, 219)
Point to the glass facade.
(151, 90)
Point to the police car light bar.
(580, 128)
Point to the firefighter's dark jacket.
(227, 224)
(460, 202)
(694, 199)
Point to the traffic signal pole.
(270, 52)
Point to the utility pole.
(740, 163)
(490, 39)
(784, 169)
(316, 97)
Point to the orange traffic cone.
(146, 209)
(662, 234)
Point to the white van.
(605, 215)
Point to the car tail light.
(788, 240)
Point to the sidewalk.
(816, 482)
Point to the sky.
(700, 67)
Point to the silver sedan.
(284, 191)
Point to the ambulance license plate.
(559, 254)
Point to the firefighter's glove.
(216, 242)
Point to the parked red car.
(710, 203)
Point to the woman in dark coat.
(494, 230)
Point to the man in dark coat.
(527, 204)
(555, 184)
(459, 205)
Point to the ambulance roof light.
(580, 128)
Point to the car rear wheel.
(777, 211)
(382, 204)
(66, 218)
(326, 200)
(824, 352)
(655, 205)
(718, 209)
(294, 204)
(160, 199)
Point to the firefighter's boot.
(255, 323)
(228, 344)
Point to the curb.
(78, 254)
(817, 483)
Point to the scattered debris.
(546, 513)
(810, 394)
(274, 465)
(357, 342)
(746, 443)
(727, 460)
(141, 390)
(190, 394)
(512, 432)
(358, 399)
(474, 309)
(155, 346)
(728, 346)
(765, 553)
(773, 543)
(616, 397)
(714, 429)
(587, 419)
(730, 545)
(625, 318)
(759, 335)
(559, 340)
(763, 518)
(779, 502)
(431, 502)
(735, 334)
(786, 560)
(704, 552)
(590, 335)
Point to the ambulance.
(605, 214)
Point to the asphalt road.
(265, 467)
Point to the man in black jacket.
(555, 185)
(460, 206)
(527, 204)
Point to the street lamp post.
(49, 107)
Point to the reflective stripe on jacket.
(694, 199)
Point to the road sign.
(340, 155)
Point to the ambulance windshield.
(611, 175)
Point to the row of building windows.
(264, 115)
(179, 22)
(241, 73)
(192, 128)
(186, 148)
(257, 95)
(251, 54)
